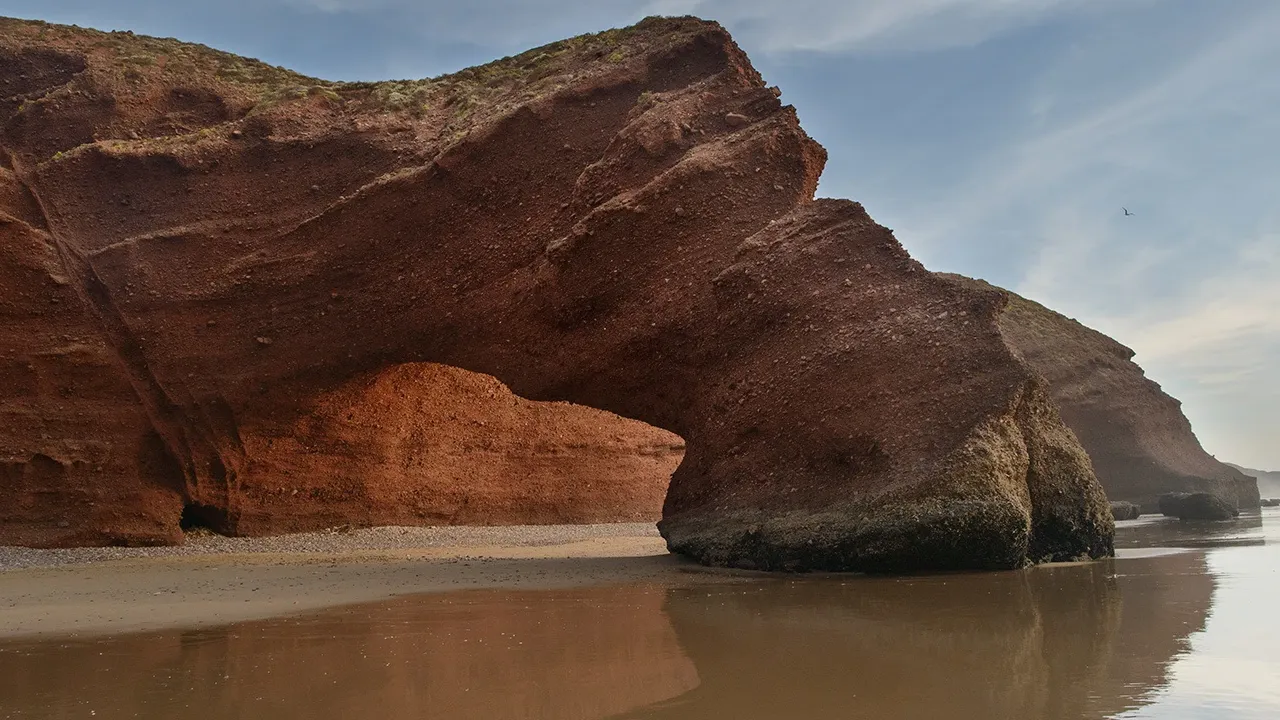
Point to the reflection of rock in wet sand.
(1172, 532)
(1079, 641)
(1057, 642)
(568, 655)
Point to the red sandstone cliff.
(1139, 441)
(429, 444)
(214, 258)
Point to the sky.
(997, 138)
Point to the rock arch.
(626, 222)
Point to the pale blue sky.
(998, 138)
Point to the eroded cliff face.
(80, 460)
(1140, 442)
(624, 221)
(1268, 482)
(428, 444)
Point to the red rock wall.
(79, 460)
(429, 444)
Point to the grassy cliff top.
(142, 60)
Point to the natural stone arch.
(638, 237)
(427, 444)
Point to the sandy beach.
(213, 580)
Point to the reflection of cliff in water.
(1054, 642)
(1078, 641)
(1157, 531)
(567, 655)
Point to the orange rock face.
(624, 221)
(429, 444)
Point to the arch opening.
(428, 444)
(198, 518)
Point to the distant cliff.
(1140, 442)
(1268, 480)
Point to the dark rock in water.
(1197, 506)
(1124, 510)
(1271, 502)
(1171, 503)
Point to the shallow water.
(1181, 625)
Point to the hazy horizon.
(999, 140)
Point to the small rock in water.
(1197, 506)
(1124, 510)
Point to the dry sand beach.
(215, 580)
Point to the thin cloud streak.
(1109, 135)
(769, 26)
(874, 25)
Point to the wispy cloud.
(1223, 74)
(770, 26)
(874, 25)
(1222, 321)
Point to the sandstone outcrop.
(429, 444)
(1140, 443)
(1124, 510)
(1197, 506)
(623, 221)
(1169, 503)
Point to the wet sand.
(214, 581)
(582, 624)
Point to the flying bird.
(1126, 211)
